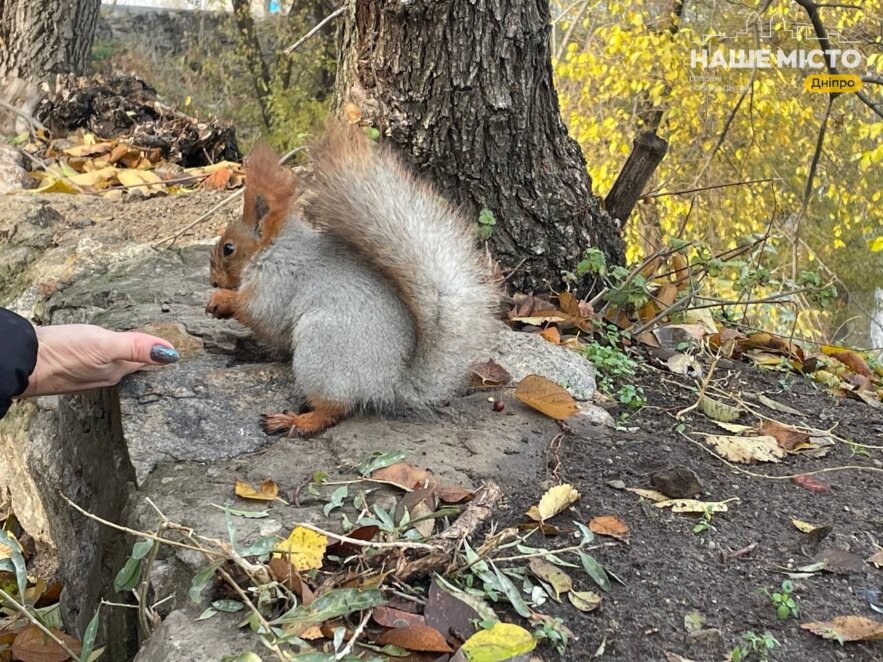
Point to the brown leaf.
(528, 304)
(546, 396)
(552, 334)
(681, 269)
(396, 618)
(452, 493)
(217, 181)
(772, 343)
(810, 483)
(267, 491)
(876, 559)
(787, 436)
(609, 525)
(416, 638)
(577, 312)
(341, 548)
(404, 475)
(32, 645)
(286, 574)
(848, 357)
(667, 294)
(846, 628)
(490, 373)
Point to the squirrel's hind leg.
(324, 414)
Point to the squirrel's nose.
(214, 283)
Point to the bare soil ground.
(669, 571)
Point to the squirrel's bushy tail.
(366, 197)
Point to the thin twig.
(356, 633)
(710, 188)
(139, 534)
(367, 543)
(337, 12)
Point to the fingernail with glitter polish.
(163, 354)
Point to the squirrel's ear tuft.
(269, 187)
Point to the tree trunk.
(465, 89)
(39, 38)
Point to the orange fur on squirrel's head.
(269, 194)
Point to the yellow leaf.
(803, 527)
(653, 495)
(584, 600)
(876, 244)
(719, 411)
(694, 505)
(553, 502)
(135, 179)
(501, 642)
(97, 178)
(559, 580)
(303, 548)
(266, 492)
(746, 449)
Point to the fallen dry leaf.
(718, 411)
(811, 484)
(503, 641)
(584, 600)
(746, 449)
(694, 505)
(404, 475)
(803, 527)
(787, 437)
(287, 575)
(546, 396)
(416, 638)
(846, 628)
(776, 406)
(32, 645)
(553, 502)
(848, 357)
(609, 525)
(396, 618)
(303, 548)
(490, 373)
(267, 491)
(559, 580)
(653, 495)
(552, 334)
(876, 559)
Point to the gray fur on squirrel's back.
(384, 300)
(350, 334)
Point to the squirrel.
(367, 274)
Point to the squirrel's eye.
(228, 249)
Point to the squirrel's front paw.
(222, 304)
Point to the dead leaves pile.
(86, 164)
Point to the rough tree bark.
(465, 89)
(39, 38)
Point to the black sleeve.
(18, 356)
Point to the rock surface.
(180, 435)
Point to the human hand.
(78, 357)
